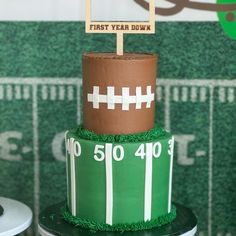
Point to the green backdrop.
(40, 67)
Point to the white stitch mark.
(125, 99)
(138, 97)
(94, 97)
(149, 97)
(110, 98)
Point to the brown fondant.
(129, 70)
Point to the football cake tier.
(119, 180)
(119, 92)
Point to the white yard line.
(35, 81)
(210, 161)
(73, 182)
(198, 82)
(167, 108)
(161, 82)
(36, 155)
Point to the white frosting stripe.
(149, 97)
(67, 168)
(73, 180)
(170, 175)
(138, 98)
(94, 97)
(148, 184)
(110, 98)
(109, 184)
(125, 99)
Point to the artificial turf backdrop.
(34, 116)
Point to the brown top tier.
(119, 92)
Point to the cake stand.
(16, 217)
(52, 224)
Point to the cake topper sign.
(122, 27)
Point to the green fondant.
(128, 187)
(141, 225)
(160, 183)
(128, 182)
(156, 133)
(91, 189)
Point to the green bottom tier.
(119, 179)
(94, 226)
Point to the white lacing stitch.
(125, 99)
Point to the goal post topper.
(120, 27)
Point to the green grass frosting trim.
(94, 226)
(153, 134)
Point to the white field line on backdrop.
(168, 90)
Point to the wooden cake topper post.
(119, 28)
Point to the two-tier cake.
(119, 162)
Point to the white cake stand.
(16, 217)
